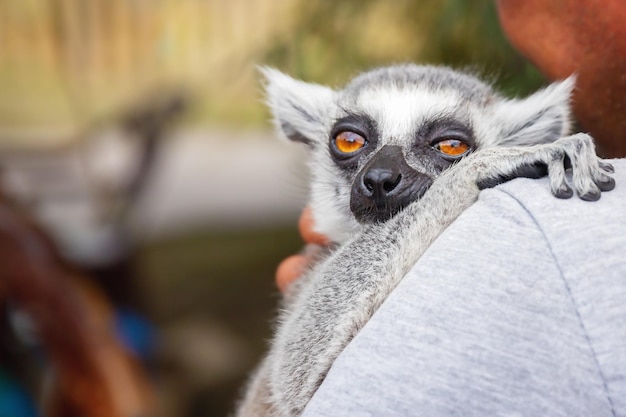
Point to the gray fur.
(333, 301)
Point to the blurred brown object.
(586, 37)
(89, 372)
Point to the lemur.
(396, 156)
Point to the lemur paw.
(589, 173)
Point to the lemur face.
(379, 143)
(392, 136)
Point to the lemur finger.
(600, 178)
(590, 195)
(581, 152)
(583, 177)
(604, 182)
(558, 184)
(584, 183)
(606, 167)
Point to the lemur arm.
(341, 294)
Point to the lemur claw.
(605, 183)
(607, 167)
(564, 191)
(590, 196)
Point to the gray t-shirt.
(518, 309)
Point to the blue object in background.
(14, 401)
(136, 333)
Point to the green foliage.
(335, 39)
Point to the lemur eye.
(452, 147)
(349, 142)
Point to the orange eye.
(349, 142)
(452, 147)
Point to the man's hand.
(293, 267)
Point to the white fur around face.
(399, 111)
(331, 213)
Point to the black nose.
(385, 185)
(381, 181)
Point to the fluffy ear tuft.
(301, 110)
(542, 117)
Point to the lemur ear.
(542, 117)
(301, 110)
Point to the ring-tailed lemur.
(396, 156)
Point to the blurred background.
(137, 161)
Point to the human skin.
(294, 266)
(586, 37)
